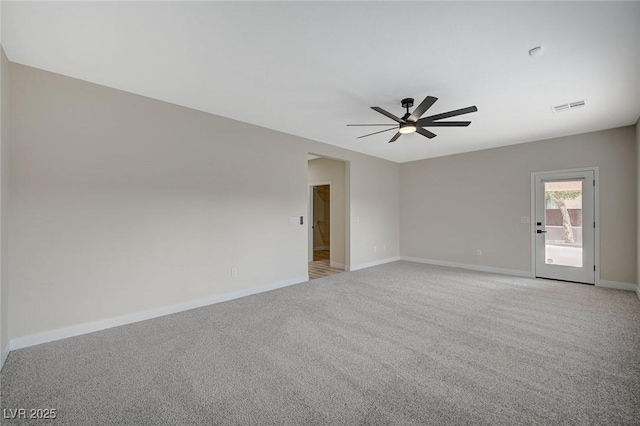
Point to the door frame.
(596, 215)
(347, 208)
(310, 216)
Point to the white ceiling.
(311, 68)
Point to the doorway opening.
(321, 224)
(327, 214)
(320, 239)
(564, 226)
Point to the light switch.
(524, 219)
(294, 220)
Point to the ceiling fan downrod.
(407, 103)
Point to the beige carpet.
(401, 343)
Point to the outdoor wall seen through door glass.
(563, 217)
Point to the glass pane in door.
(563, 223)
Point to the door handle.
(540, 231)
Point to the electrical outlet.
(234, 272)
(479, 252)
(375, 249)
(384, 247)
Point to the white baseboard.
(77, 330)
(4, 353)
(638, 291)
(374, 263)
(616, 285)
(337, 265)
(515, 272)
(481, 268)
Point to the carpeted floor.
(401, 343)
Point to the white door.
(565, 226)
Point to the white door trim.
(596, 215)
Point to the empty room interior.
(319, 212)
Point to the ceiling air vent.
(569, 106)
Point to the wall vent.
(569, 106)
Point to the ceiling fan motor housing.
(407, 102)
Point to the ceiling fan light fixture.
(407, 128)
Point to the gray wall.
(4, 195)
(451, 206)
(121, 203)
(638, 205)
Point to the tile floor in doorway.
(320, 266)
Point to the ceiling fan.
(411, 122)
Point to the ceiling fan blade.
(457, 112)
(422, 108)
(352, 125)
(425, 132)
(445, 124)
(375, 133)
(395, 137)
(388, 114)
